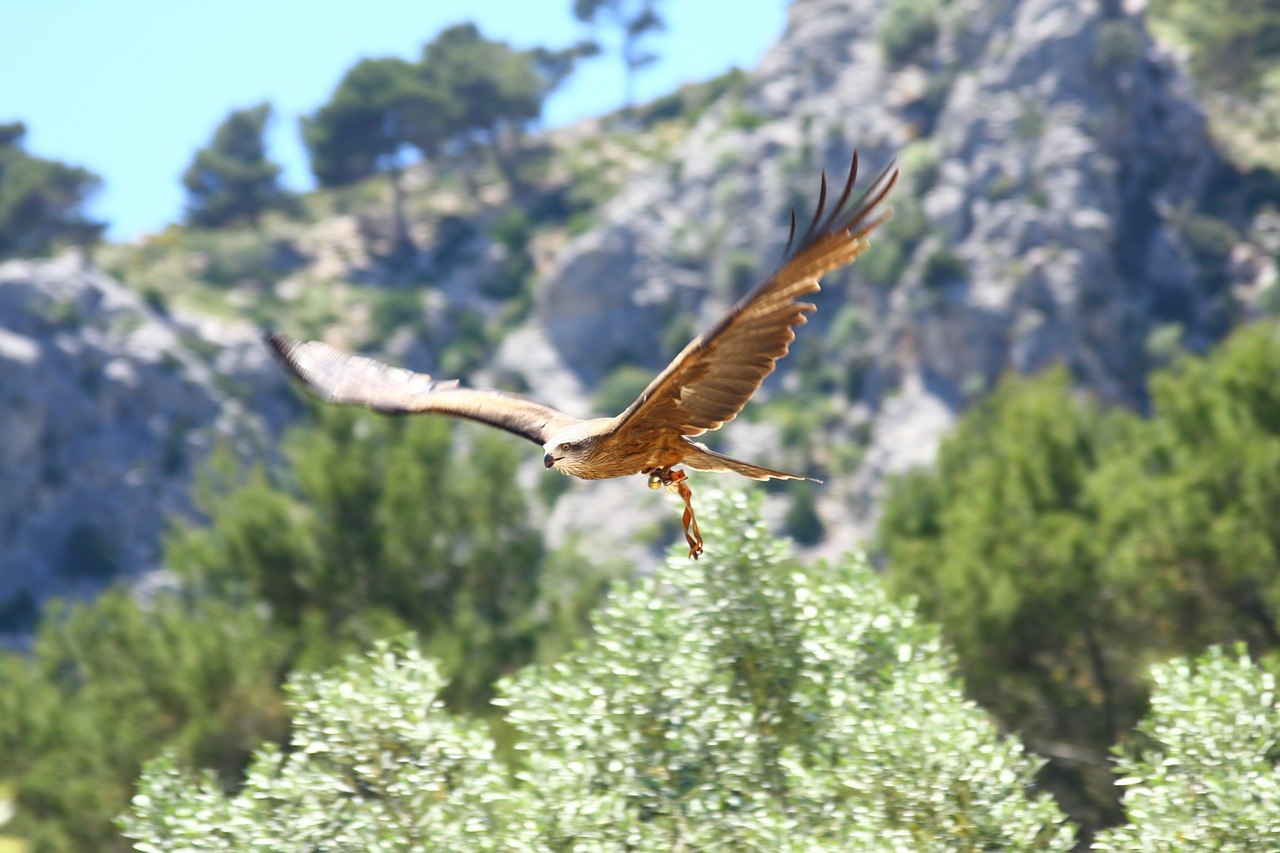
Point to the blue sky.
(131, 88)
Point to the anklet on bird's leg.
(674, 481)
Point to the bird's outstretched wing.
(712, 378)
(337, 377)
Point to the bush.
(107, 685)
(512, 231)
(621, 388)
(383, 525)
(1120, 43)
(376, 526)
(1063, 548)
(908, 28)
(802, 520)
(738, 703)
(1233, 48)
(1208, 779)
(1209, 239)
(944, 267)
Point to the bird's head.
(569, 451)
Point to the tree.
(1229, 50)
(376, 526)
(107, 684)
(999, 544)
(635, 19)
(1064, 548)
(41, 201)
(495, 90)
(1190, 503)
(907, 28)
(381, 525)
(465, 92)
(1205, 778)
(380, 111)
(231, 180)
(739, 703)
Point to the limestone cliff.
(105, 407)
(1053, 158)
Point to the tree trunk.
(402, 248)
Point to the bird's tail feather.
(709, 460)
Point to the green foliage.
(1063, 548)
(512, 231)
(804, 525)
(1120, 43)
(380, 108)
(920, 164)
(1232, 47)
(885, 265)
(1163, 343)
(1019, 546)
(1190, 502)
(635, 21)
(741, 118)
(383, 524)
(231, 180)
(8, 843)
(377, 764)
(895, 242)
(1208, 781)
(1210, 241)
(470, 345)
(465, 89)
(944, 267)
(737, 703)
(41, 201)
(394, 309)
(907, 28)
(741, 271)
(690, 101)
(493, 90)
(375, 526)
(107, 684)
(621, 387)
(1031, 123)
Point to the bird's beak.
(548, 460)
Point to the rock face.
(105, 406)
(1048, 153)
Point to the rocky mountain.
(1059, 181)
(1061, 201)
(106, 405)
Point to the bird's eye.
(564, 448)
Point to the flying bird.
(703, 387)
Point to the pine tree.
(634, 19)
(41, 201)
(1063, 547)
(231, 180)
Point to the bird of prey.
(705, 386)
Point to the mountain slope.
(1061, 201)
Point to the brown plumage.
(703, 387)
